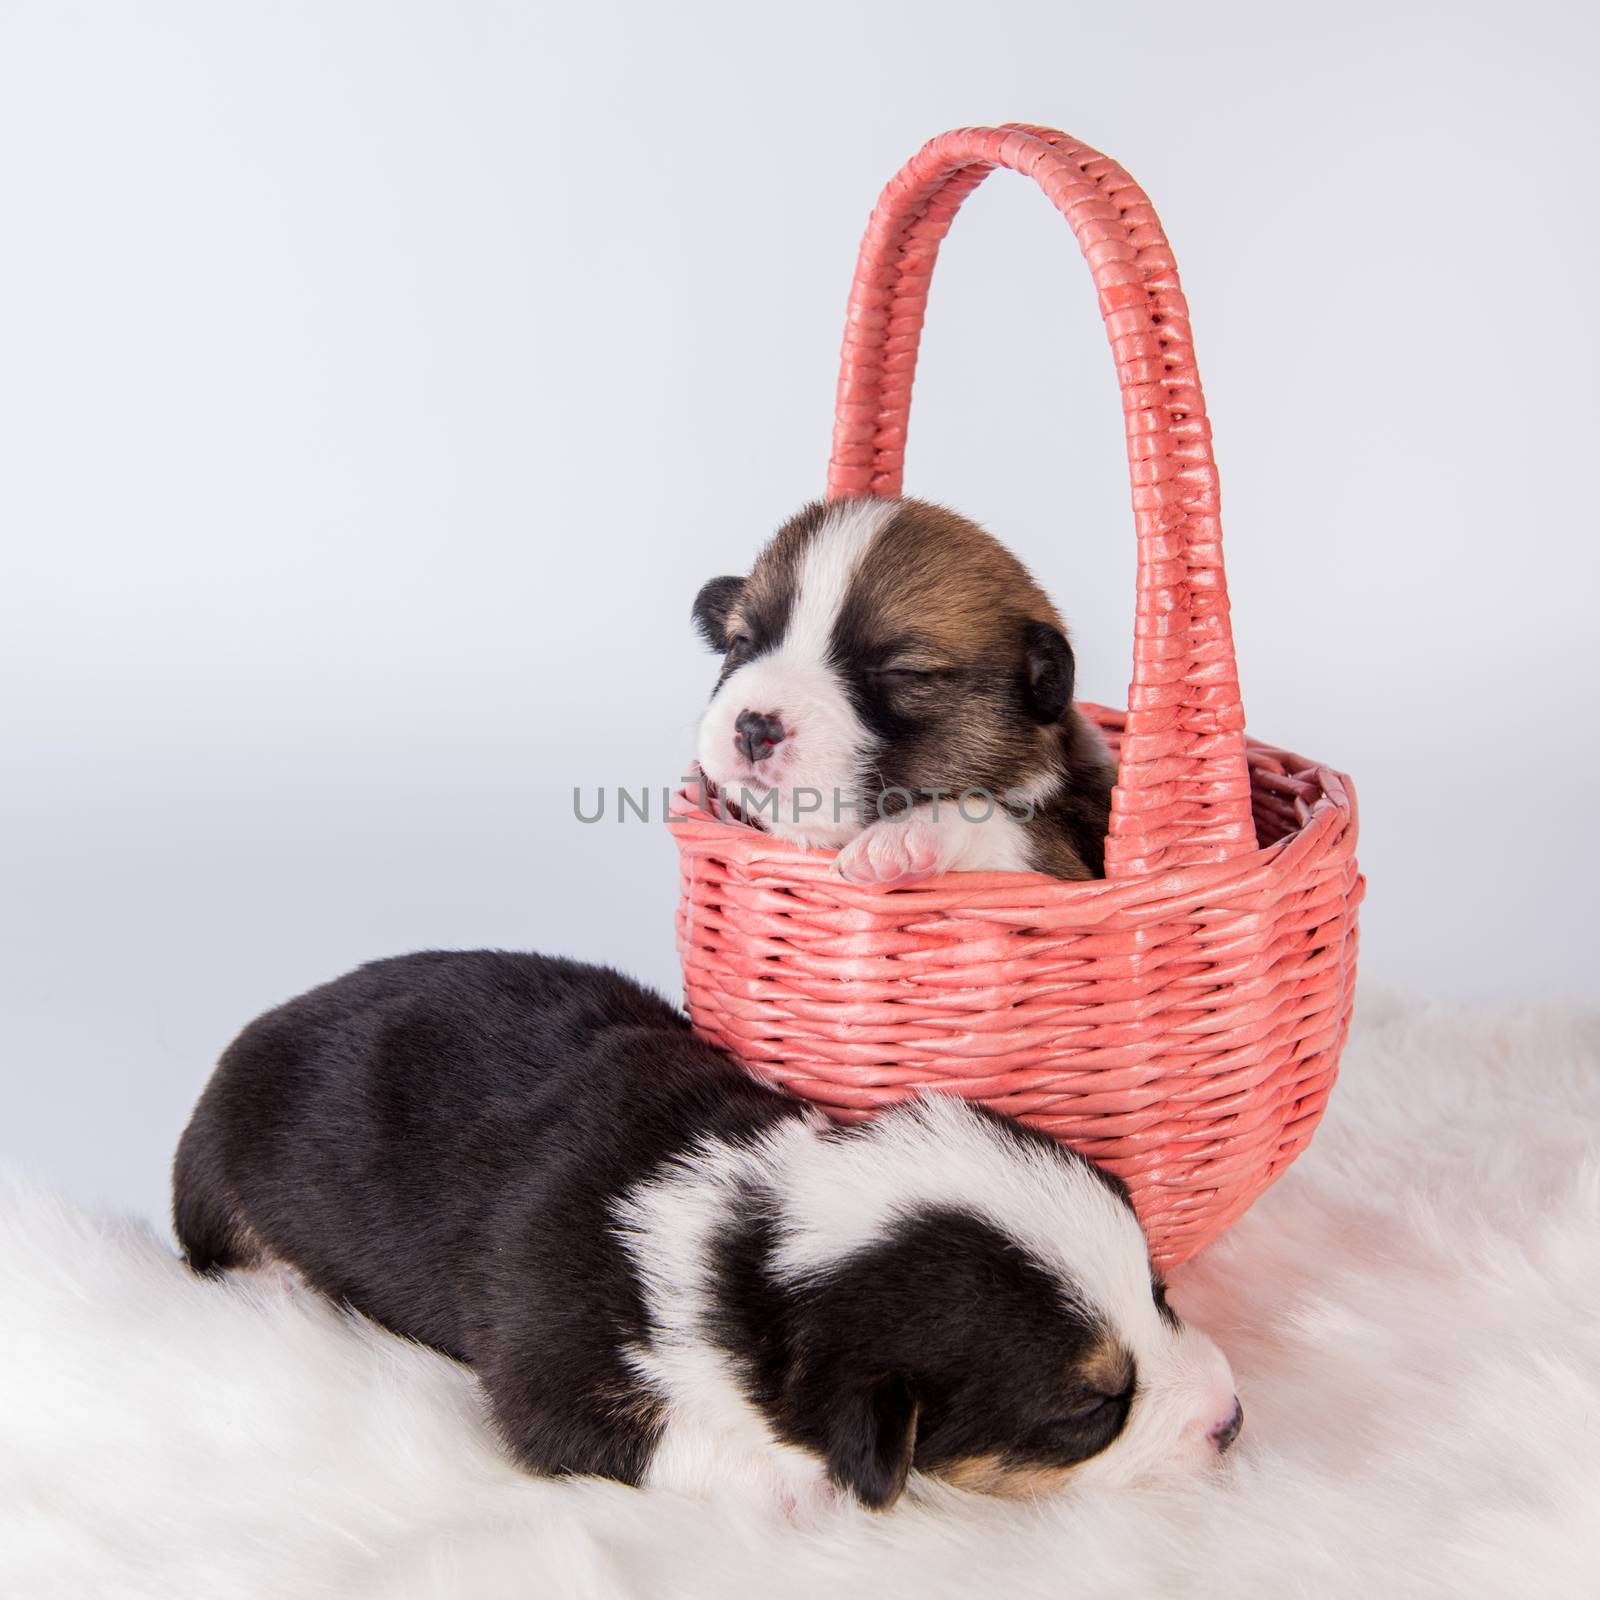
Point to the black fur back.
(438, 1140)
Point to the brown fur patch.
(1106, 1369)
(1007, 1480)
(934, 580)
(935, 576)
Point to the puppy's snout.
(1225, 1433)
(756, 734)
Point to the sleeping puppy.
(667, 1273)
(896, 687)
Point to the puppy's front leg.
(933, 838)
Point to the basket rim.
(1329, 826)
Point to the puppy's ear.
(712, 607)
(1047, 689)
(871, 1441)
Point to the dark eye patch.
(761, 619)
(757, 626)
(1087, 1425)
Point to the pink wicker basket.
(1181, 1020)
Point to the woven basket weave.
(1180, 1021)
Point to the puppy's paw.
(895, 850)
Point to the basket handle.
(1183, 787)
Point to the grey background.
(379, 382)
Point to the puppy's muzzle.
(756, 734)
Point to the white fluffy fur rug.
(1411, 1312)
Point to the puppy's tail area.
(210, 1232)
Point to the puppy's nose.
(1222, 1437)
(756, 734)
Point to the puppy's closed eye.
(893, 675)
(1086, 1425)
(1096, 1405)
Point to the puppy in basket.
(896, 687)
(668, 1273)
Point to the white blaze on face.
(808, 788)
